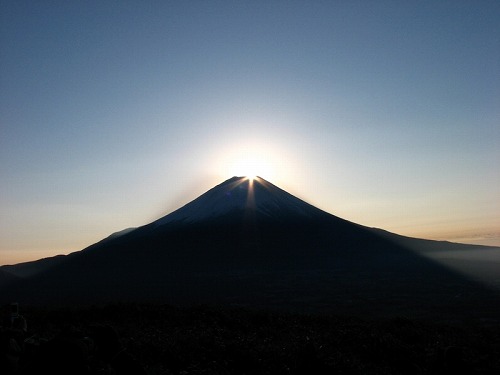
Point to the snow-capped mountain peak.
(240, 193)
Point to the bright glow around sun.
(251, 159)
(265, 155)
(251, 165)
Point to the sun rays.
(240, 184)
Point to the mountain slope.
(250, 243)
(239, 193)
(28, 269)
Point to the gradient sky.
(113, 114)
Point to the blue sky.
(113, 114)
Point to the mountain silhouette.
(247, 242)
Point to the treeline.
(162, 339)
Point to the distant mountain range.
(247, 242)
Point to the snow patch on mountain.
(241, 193)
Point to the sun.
(250, 165)
(253, 158)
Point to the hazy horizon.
(113, 115)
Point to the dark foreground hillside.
(162, 339)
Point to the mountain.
(7, 277)
(248, 242)
(242, 194)
(28, 269)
